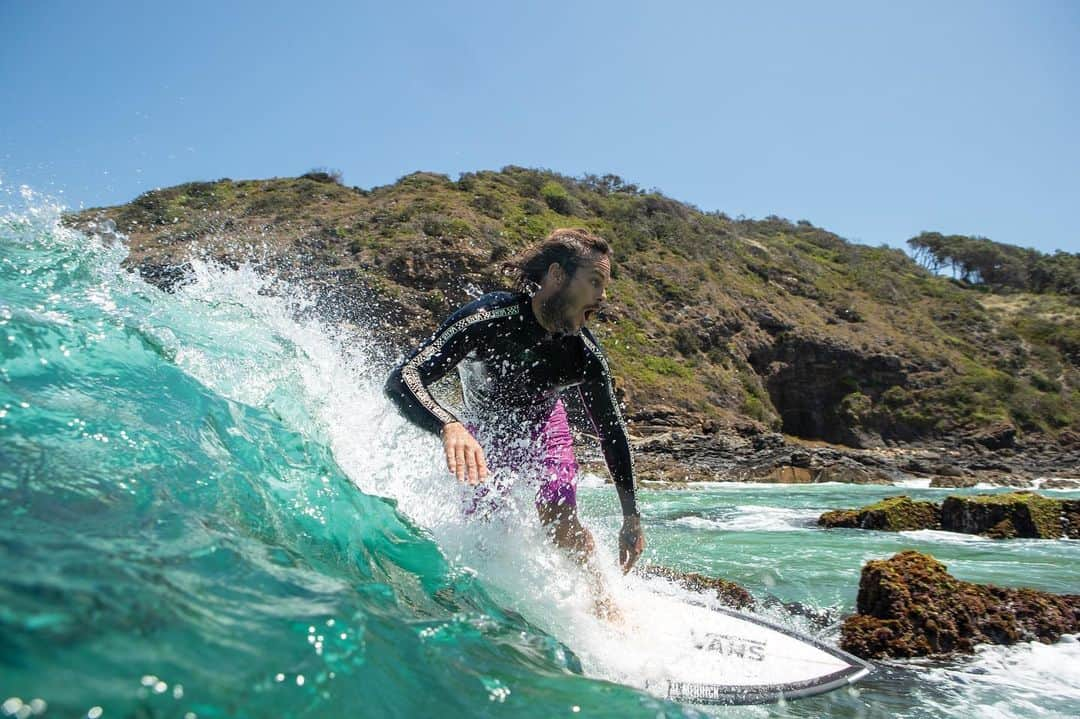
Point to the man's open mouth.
(589, 312)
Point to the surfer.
(516, 353)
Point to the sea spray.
(179, 538)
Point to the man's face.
(579, 296)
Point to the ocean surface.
(208, 509)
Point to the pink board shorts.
(546, 457)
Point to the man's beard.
(554, 309)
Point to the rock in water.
(1016, 514)
(727, 592)
(998, 516)
(910, 606)
(953, 482)
(893, 514)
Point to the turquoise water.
(209, 510)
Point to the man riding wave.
(516, 353)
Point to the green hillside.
(714, 323)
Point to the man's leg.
(566, 530)
(556, 499)
(556, 503)
(557, 507)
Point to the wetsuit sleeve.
(598, 395)
(407, 385)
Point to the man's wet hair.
(571, 247)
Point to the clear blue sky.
(875, 120)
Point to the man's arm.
(407, 385)
(598, 394)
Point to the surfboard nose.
(740, 658)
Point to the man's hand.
(464, 456)
(631, 542)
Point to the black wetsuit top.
(510, 366)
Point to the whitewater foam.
(753, 518)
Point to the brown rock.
(851, 473)
(948, 470)
(953, 482)
(800, 459)
(783, 474)
(910, 606)
(840, 519)
(1061, 484)
(657, 468)
(660, 415)
(998, 436)
(727, 592)
(916, 466)
(1006, 480)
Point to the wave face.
(210, 510)
(178, 537)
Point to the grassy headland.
(714, 323)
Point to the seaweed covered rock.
(840, 519)
(1016, 514)
(893, 514)
(727, 592)
(910, 606)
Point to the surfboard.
(709, 654)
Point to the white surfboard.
(702, 654)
